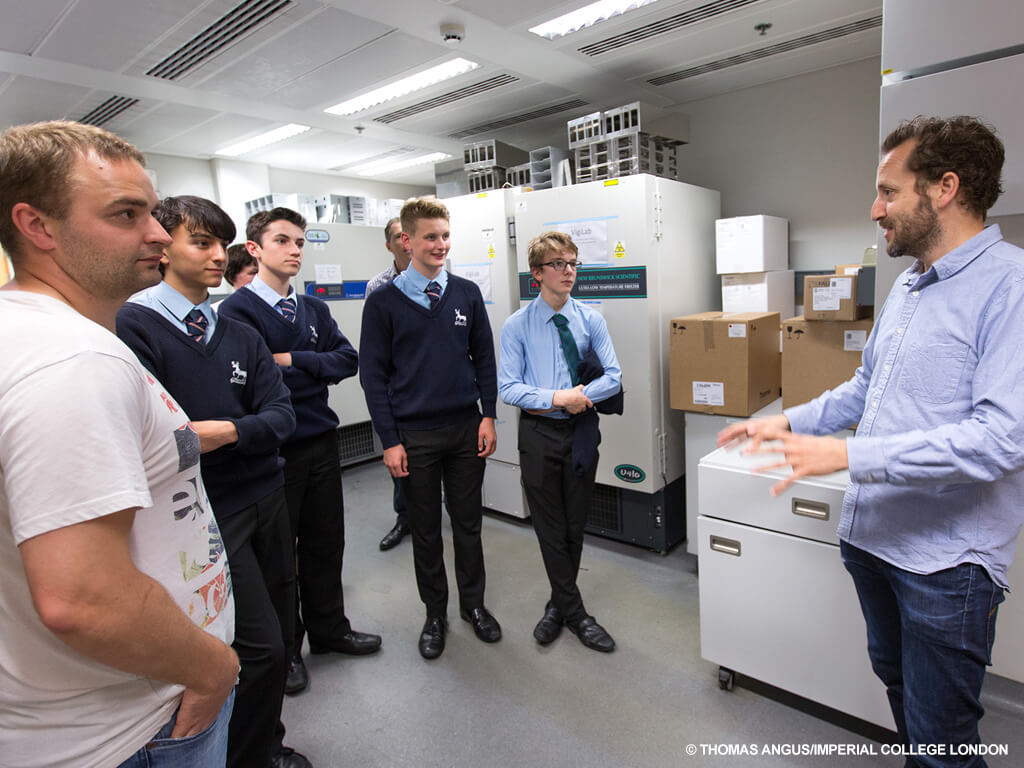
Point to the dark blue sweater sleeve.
(136, 336)
(376, 365)
(481, 350)
(334, 358)
(270, 420)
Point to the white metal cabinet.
(776, 603)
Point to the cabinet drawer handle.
(724, 545)
(816, 509)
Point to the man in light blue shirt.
(933, 510)
(542, 346)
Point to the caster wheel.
(726, 678)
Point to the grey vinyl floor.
(518, 704)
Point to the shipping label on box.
(819, 355)
(724, 363)
(832, 297)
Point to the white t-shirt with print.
(86, 431)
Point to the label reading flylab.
(708, 393)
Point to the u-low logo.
(630, 473)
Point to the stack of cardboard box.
(822, 347)
(752, 256)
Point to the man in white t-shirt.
(115, 598)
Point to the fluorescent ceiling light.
(263, 139)
(587, 16)
(380, 167)
(406, 85)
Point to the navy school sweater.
(321, 355)
(423, 368)
(232, 377)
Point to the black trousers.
(399, 500)
(448, 453)
(312, 482)
(559, 500)
(262, 562)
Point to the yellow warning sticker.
(620, 250)
(490, 252)
(480, 195)
(611, 182)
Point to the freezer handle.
(725, 546)
(816, 509)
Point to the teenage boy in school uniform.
(313, 354)
(223, 375)
(427, 360)
(542, 345)
(399, 263)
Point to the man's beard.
(913, 234)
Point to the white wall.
(805, 148)
(230, 183)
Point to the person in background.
(241, 266)
(427, 369)
(224, 376)
(399, 262)
(116, 610)
(313, 354)
(933, 510)
(543, 347)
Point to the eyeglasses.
(559, 265)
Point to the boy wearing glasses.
(542, 347)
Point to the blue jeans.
(929, 638)
(206, 749)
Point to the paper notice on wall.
(479, 274)
(737, 330)
(708, 393)
(825, 298)
(591, 237)
(328, 273)
(854, 341)
(842, 285)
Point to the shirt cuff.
(866, 459)
(801, 420)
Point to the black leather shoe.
(549, 627)
(298, 678)
(591, 634)
(432, 637)
(353, 643)
(484, 624)
(394, 536)
(289, 758)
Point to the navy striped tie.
(195, 325)
(287, 309)
(433, 291)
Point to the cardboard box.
(724, 363)
(832, 297)
(819, 355)
(751, 244)
(759, 292)
(848, 269)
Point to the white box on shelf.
(759, 292)
(751, 244)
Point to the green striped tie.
(572, 354)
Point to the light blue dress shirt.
(413, 284)
(533, 364)
(935, 464)
(173, 307)
(268, 294)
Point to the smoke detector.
(452, 34)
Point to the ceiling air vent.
(771, 50)
(679, 20)
(241, 21)
(447, 98)
(108, 110)
(524, 117)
